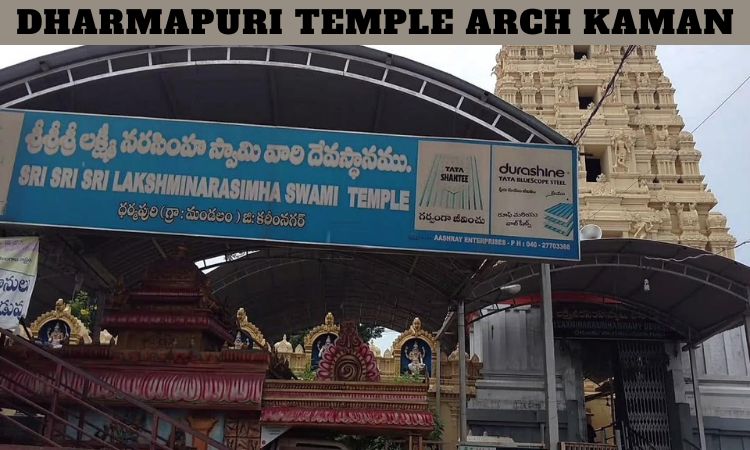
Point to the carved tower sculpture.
(639, 174)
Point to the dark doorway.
(626, 393)
(593, 169)
(641, 395)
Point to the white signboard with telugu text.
(18, 265)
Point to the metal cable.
(610, 89)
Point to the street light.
(591, 232)
(511, 289)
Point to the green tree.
(298, 338)
(83, 308)
(368, 333)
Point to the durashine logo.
(537, 171)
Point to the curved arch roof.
(349, 88)
(696, 293)
(334, 87)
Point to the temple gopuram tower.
(639, 178)
(639, 169)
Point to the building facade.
(639, 178)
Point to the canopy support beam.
(463, 428)
(550, 378)
(697, 397)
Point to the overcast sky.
(702, 75)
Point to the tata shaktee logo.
(453, 183)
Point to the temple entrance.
(641, 395)
(624, 382)
(626, 394)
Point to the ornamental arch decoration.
(248, 328)
(59, 327)
(416, 346)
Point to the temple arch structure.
(282, 287)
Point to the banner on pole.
(18, 265)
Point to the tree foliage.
(298, 338)
(84, 308)
(367, 333)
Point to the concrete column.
(550, 379)
(463, 431)
(697, 398)
(747, 333)
(97, 319)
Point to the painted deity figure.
(56, 336)
(238, 343)
(416, 357)
(323, 348)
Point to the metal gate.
(642, 404)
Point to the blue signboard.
(289, 185)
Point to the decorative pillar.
(507, 93)
(665, 160)
(643, 164)
(528, 97)
(415, 442)
(202, 425)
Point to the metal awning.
(349, 88)
(696, 293)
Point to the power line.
(698, 256)
(721, 104)
(609, 90)
(610, 202)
